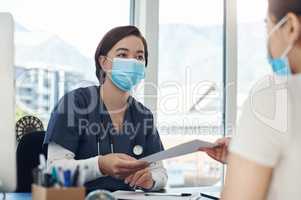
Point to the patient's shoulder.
(268, 103)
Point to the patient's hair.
(112, 38)
(280, 8)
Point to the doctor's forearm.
(91, 165)
(61, 157)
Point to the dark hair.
(109, 40)
(280, 8)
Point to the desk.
(207, 190)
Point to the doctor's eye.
(140, 58)
(122, 55)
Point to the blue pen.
(67, 178)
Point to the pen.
(42, 160)
(82, 176)
(75, 177)
(209, 196)
(67, 178)
(61, 176)
(168, 194)
(42, 165)
(42, 169)
(54, 175)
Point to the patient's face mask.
(280, 66)
(127, 73)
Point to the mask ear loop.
(287, 50)
(278, 25)
(275, 28)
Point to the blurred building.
(38, 89)
(46, 68)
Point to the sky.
(82, 23)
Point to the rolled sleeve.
(58, 156)
(159, 175)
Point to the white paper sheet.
(179, 150)
(130, 195)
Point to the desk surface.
(211, 190)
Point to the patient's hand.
(219, 153)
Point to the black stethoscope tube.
(111, 139)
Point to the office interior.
(204, 58)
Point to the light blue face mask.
(127, 73)
(280, 66)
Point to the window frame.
(145, 15)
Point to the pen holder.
(42, 193)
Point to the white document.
(179, 150)
(130, 195)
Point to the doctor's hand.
(120, 165)
(220, 152)
(142, 178)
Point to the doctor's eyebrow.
(127, 50)
(122, 49)
(140, 51)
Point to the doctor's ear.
(104, 63)
(293, 28)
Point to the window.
(55, 45)
(252, 54)
(190, 78)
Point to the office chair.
(28, 151)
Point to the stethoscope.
(137, 149)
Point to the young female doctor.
(264, 155)
(104, 130)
